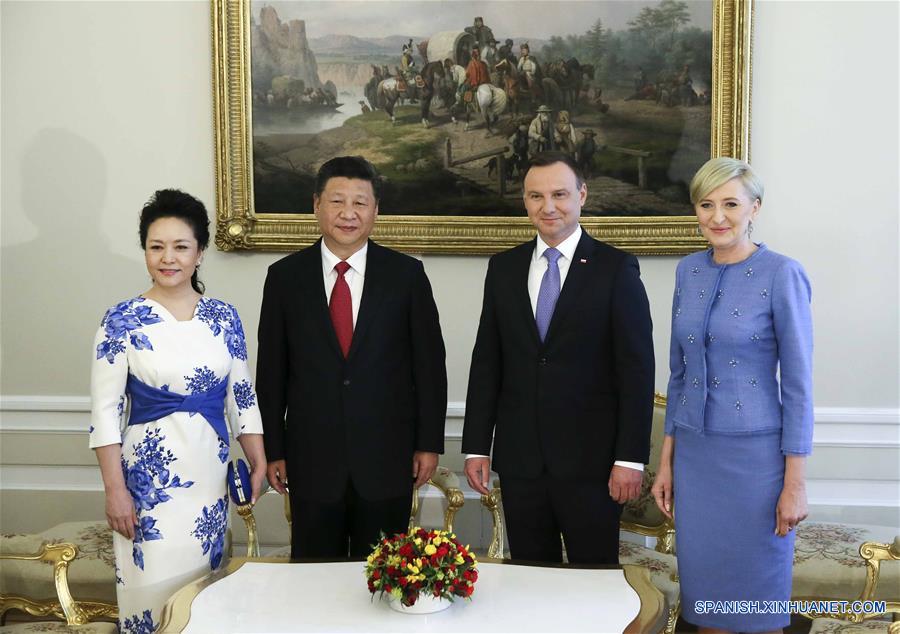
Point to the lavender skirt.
(726, 490)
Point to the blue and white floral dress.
(175, 466)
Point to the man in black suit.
(561, 379)
(351, 375)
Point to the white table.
(261, 595)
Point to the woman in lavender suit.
(740, 411)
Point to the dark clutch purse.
(238, 478)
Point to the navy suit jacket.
(577, 402)
(362, 417)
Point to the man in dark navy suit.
(561, 379)
(351, 374)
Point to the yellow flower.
(397, 593)
(418, 541)
(370, 559)
(419, 562)
(430, 549)
(414, 569)
(460, 560)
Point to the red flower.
(406, 550)
(442, 551)
(387, 588)
(438, 585)
(403, 581)
(391, 571)
(435, 559)
(376, 574)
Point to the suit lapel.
(520, 288)
(314, 284)
(575, 279)
(374, 288)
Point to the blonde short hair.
(718, 171)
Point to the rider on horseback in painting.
(528, 65)
(476, 74)
(407, 70)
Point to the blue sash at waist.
(150, 403)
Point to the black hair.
(543, 159)
(349, 167)
(174, 203)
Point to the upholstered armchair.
(842, 561)
(640, 516)
(245, 512)
(443, 480)
(447, 483)
(878, 585)
(91, 576)
(35, 581)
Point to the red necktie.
(341, 308)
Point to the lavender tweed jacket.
(741, 349)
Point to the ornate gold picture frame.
(240, 226)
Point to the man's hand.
(624, 483)
(423, 467)
(478, 473)
(276, 472)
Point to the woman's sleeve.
(240, 401)
(792, 319)
(109, 372)
(676, 363)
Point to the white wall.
(103, 102)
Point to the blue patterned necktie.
(549, 292)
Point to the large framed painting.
(450, 99)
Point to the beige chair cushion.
(835, 626)
(660, 565)
(827, 563)
(92, 575)
(58, 626)
(284, 552)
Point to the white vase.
(425, 604)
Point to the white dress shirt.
(536, 273)
(355, 275)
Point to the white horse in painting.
(492, 102)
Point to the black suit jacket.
(579, 401)
(362, 417)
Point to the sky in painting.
(537, 19)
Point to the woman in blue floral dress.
(170, 366)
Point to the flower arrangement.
(421, 563)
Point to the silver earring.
(749, 227)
